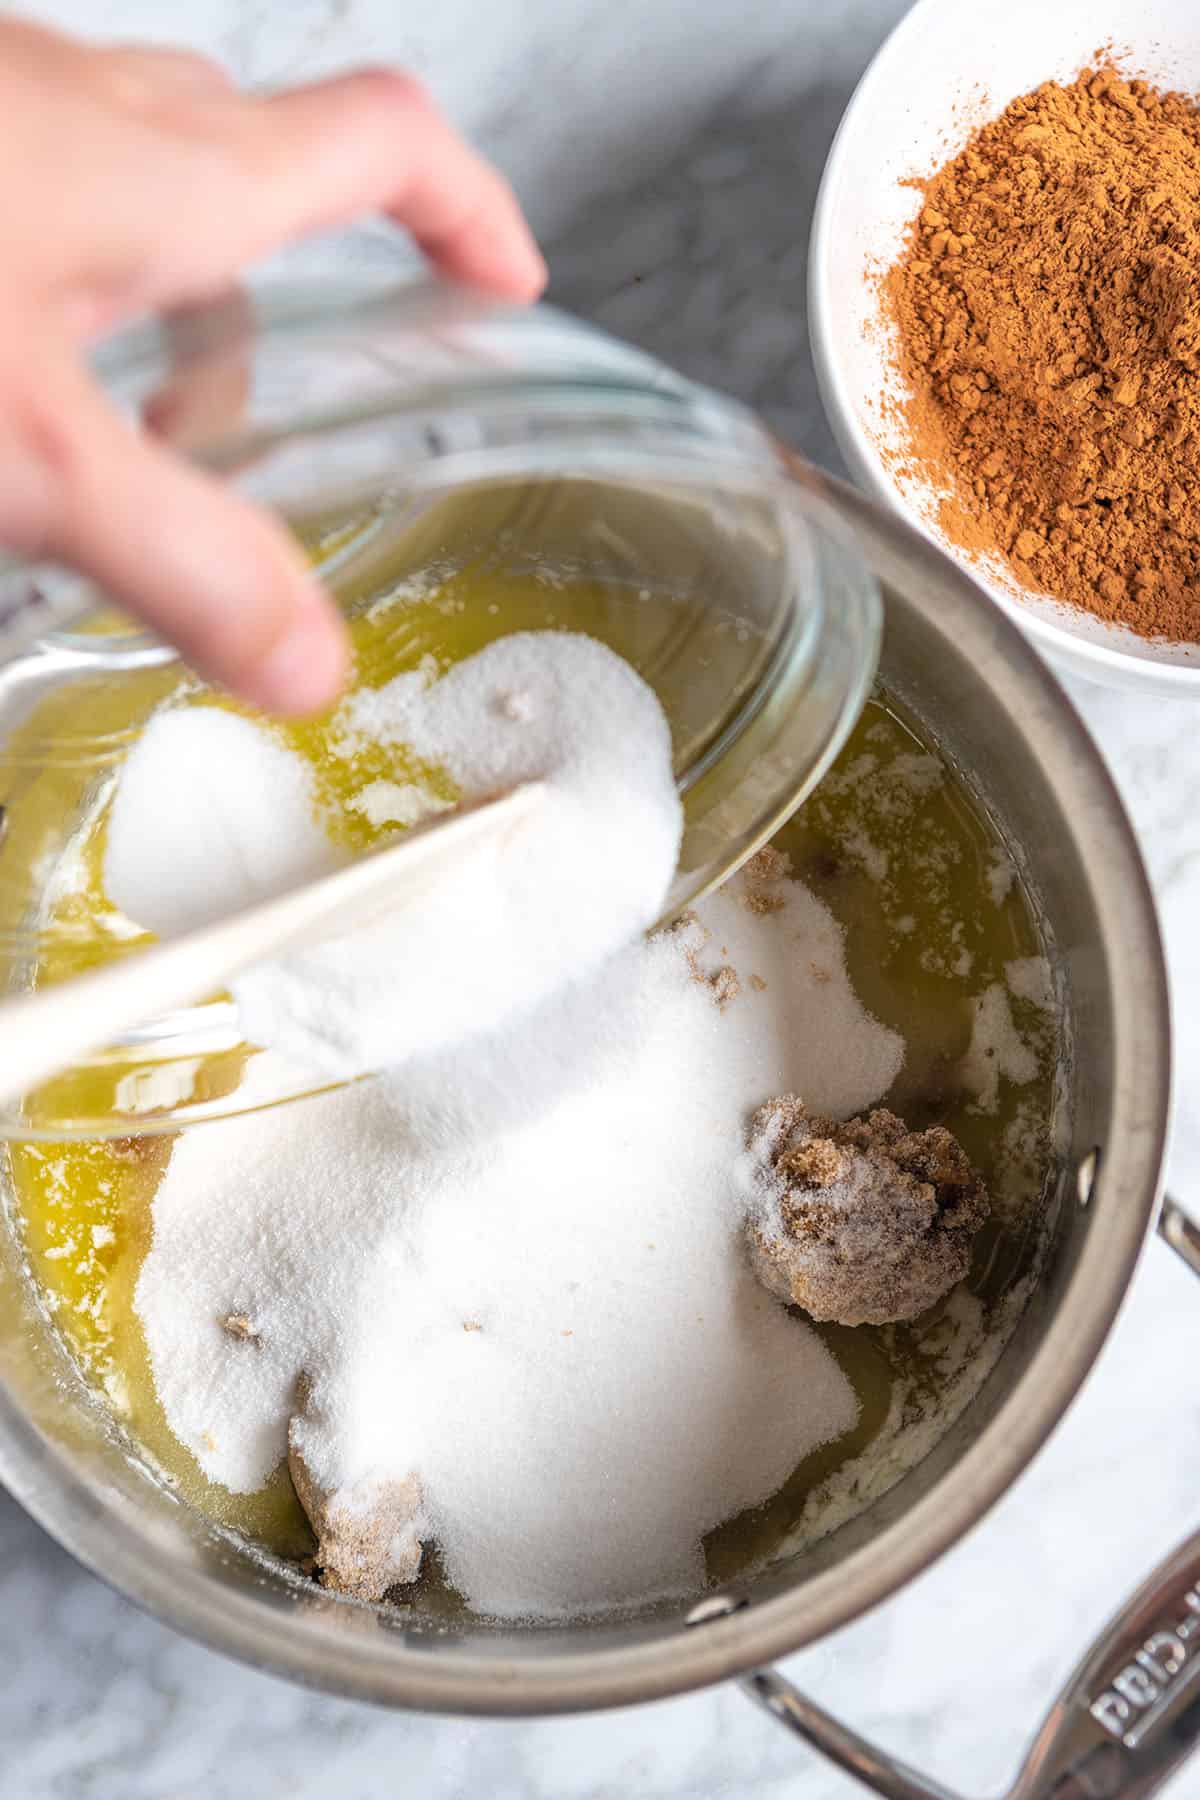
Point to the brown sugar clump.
(723, 982)
(863, 1222)
(1047, 312)
(758, 890)
(767, 865)
(725, 985)
(758, 900)
(691, 934)
(241, 1326)
(815, 1163)
(131, 1149)
(369, 1535)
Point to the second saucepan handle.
(1126, 1721)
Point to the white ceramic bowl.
(948, 66)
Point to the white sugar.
(1000, 875)
(996, 1052)
(511, 1266)
(1031, 978)
(514, 921)
(210, 814)
(396, 803)
(629, 1385)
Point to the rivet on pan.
(715, 1606)
(1085, 1176)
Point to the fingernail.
(529, 270)
(304, 672)
(505, 257)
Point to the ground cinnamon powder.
(1047, 308)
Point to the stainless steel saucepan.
(1133, 1710)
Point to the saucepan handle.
(1181, 1231)
(1126, 1720)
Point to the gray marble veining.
(670, 156)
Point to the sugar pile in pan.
(511, 1268)
(210, 813)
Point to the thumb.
(214, 575)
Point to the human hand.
(135, 180)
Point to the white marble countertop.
(670, 157)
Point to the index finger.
(263, 171)
(374, 140)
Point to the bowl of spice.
(1005, 304)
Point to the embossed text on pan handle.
(1126, 1721)
(1130, 1715)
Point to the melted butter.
(915, 872)
(892, 842)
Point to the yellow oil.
(908, 869)
(911, 876)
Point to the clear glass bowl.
(407, 437)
